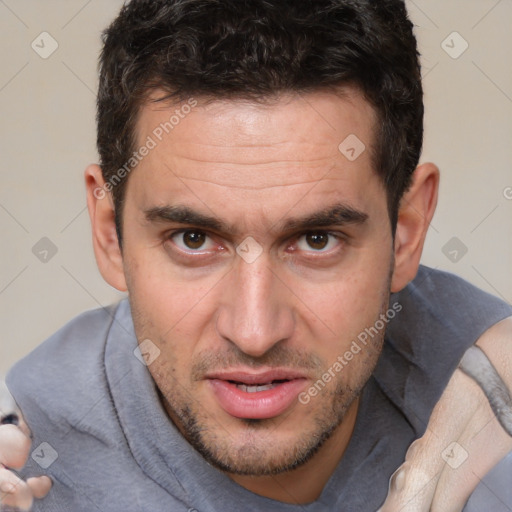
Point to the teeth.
(257, 388)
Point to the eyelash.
(292, 247)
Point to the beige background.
(47, 137)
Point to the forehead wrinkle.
(174, 162)
(237, 183)
(248, 187)
(303, 141)
(244, 159)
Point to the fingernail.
(397, 480)
(10, 419)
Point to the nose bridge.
(256, 313)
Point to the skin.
(259, 170)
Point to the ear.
(104, 237)
(416, 210)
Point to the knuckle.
(14, 491)
(415, 449)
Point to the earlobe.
(101, 212)
(417, 208)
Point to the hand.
(15, 446)
(438, 476)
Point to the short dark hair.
(257, 49)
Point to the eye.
(191, 240)
(317, 241)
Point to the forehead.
(299, 128)
(256, 152)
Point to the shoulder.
(452, 301)
(442, 309)
(61, 376)
(439, 316)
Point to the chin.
(259, 447)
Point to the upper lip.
(252, 378)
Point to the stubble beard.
(263, 452)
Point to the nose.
(256, 310)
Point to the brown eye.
(317, 241)
(193, 239)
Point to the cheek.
(347, 305)
(341, 318)
(163, 293)
(178, 316)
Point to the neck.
(306, 483)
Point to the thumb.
(40, 486)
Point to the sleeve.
(440, 316)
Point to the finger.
(14, 492)
(14, 446)
(426, 458)
(410, 490)
(487, 439)
(40, 486)
(486, 443)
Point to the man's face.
(255, 252)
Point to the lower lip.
(259, 405)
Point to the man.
(259, 198)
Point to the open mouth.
(253, 396)
(256, 388)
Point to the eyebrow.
(338, 214)
(183, 215)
